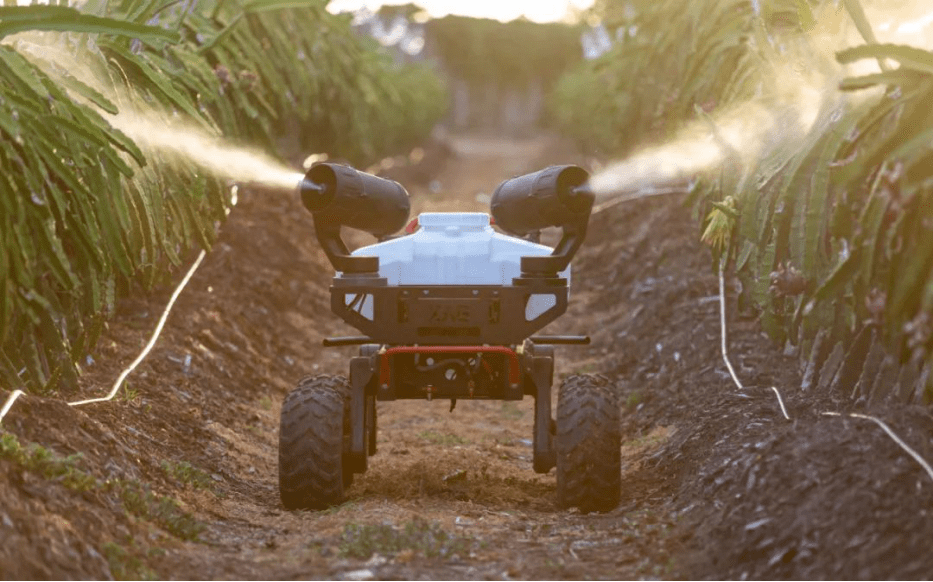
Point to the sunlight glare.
(536, 10)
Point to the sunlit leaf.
(909, 57)
(15, 19)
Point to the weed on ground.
(418, 536)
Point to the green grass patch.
(649, 440)
(345, 506)
(427, 539)
(139, 500)
(127, 563)
(129, 393)
(137, 497)
(38, 459)
(265, 403)
(437, 438)
(187, 473)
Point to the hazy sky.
(537, 10)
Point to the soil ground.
(716, 482)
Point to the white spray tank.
(374, 287)
(457, 248)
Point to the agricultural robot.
(449, 310)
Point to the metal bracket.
(542, 375)
(361, 374)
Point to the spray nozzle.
(339, 196)
(309, 186)
(583, 191)
(557, 196)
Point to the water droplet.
(37, 198)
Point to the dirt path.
(711, 476)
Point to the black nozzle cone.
(583, 191)
(553, 196)
(315, 195)
(341, 195)
(308, 185)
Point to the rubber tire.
(312, 431)
(589, 442)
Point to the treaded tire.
(312, 472)
(589, 461)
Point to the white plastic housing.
(457, 248)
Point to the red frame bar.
(385, 369)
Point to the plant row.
(830, 230)
(87, 214)
(835, 237)
(666, 60)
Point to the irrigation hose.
(152, 340)
(781, 402)
(725, 356)
(725, 350)
(234, 198)
(9, 403)
(722, 321)
(916, 456)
